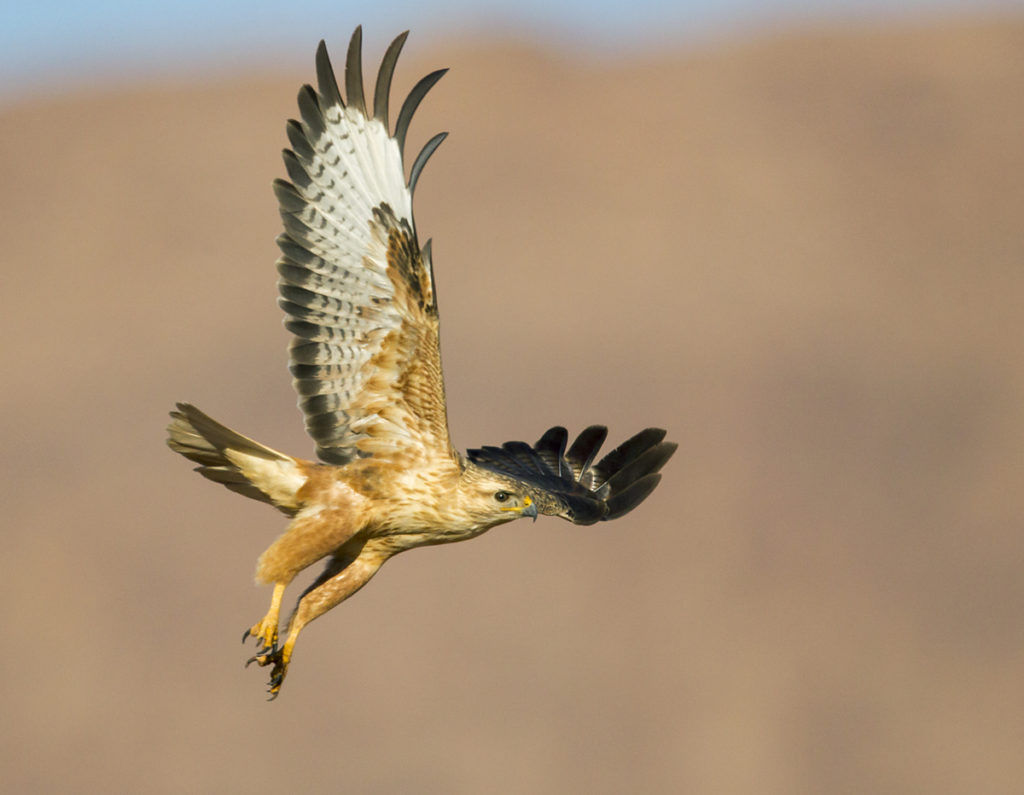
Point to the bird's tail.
(236, 461)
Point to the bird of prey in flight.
(359, 298)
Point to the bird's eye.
(501, 496)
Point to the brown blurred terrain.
(802, 254)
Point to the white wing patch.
(349, 257)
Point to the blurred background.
(793, 236)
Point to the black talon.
(277, 673)
(246, 634)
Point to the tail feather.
(236, 461)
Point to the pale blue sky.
(46, 44)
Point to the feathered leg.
(311, 536)
(348, 571)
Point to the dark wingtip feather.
(584, 450)
(649, 461)
(627, 451)
(296, 173)
(326, 81)
(382, 90)
(297, 138)
(554, 438)
(309, 109)
(626, 500)
(287, 196)
(421, 159)
(551, 448)
(411, 103)
(354, 72)
(566, 484)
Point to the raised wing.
(357, 289)
(567, 483)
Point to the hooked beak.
(529, 508)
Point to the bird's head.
(494, 499)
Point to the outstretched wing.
(567, 483)
(357, 289)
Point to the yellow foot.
(279, 659)
(265, 631)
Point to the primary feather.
(354, 286)
(567, 485)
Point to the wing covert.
(356, 288)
